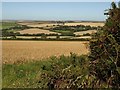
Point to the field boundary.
(36, 39)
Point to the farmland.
(42, 29)
(33, 24)
(84, 32)
(36, 31)
(38, 47)
(57, 55)
(62, 40)
(38, 24)
(5, 25)
(85, 23)
(22, 51)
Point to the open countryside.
(37, 24)
(38, 50)
(44, 29)
(60, 45)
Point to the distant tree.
(57, 37)
(13, 37)
(43, 36)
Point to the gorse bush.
(105, 50)
(65, 72)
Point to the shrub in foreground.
(105, 51)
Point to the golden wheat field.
(36, 31)
(21, 51)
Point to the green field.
(6, 25)
(65, 32)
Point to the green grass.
(21, 75)
(33, 74)
(0, 25)
(5, 25)
(65, 32)
(63, 72)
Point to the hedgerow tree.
(105, 50)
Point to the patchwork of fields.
(48, 25)
(49, 30)
(21, 51)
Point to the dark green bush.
(105, 50)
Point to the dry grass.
(68, 24)
(36, 31)
(85, 23)
(84, 32)
(21, 51)
(37, 25)
(82, 37)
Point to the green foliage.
(6, 25)
(8, 28)
(113, 5)
(119, 4)
(43, 36)
(64, 32)
(63, 72)
(22, 75)
(105, 50)
(57, 37)
(87, 34)
(69, 30)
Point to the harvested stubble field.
(32, 24)
(84, 32)
(67, 24)
(23, 51)
(36, 31)
(85, 23)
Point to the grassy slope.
(33, 74)
(21, 75)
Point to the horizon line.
(44, 20)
